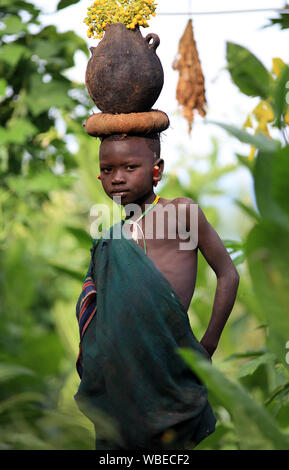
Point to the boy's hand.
(209, 349)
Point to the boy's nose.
(118, 177)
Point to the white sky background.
(225, 102)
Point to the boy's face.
(126, 168)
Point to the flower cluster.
(129, 12)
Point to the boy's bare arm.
(215, 253)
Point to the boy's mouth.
(119, 192)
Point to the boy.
(133, 307)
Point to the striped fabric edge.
(88, 305)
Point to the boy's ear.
(158, 170)
(160, 163)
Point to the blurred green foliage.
(45, 194)
(256, 397)
(48, 168)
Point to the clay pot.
(124, 74)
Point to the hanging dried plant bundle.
(191, 85)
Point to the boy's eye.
(108, 170)
(131, 167)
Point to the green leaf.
(255, 427)
(248, 210)
(42, 182)
(10, 371)
(264, 171)
(281, 390)
(247, 72)
(12, 53)
(234, 245)
(280, 179)
(282, 21)
(250, 367)
(81, 235)
(3, 136)
(66, 3)
(268, 260)
(69, 272)
(214, 440)
(14, 6)
(13, 25)
(279, 99)
(48, 181)
(42, 96)
(20, 130)
(3, 86)
(46, 49)
(260, 141)
(63, 45)
(244, 355)
(20, 398)
(263, 326)
(244, 160)
(239, 259)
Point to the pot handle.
(156, 40)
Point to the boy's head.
(130, 165)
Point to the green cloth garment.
(128, 364)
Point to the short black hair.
(153, 140)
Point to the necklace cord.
(136, 225)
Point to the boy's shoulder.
(178, 201)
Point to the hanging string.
(223, 12)
(190, 8)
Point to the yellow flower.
(252, 153)
(263, 112)
(128, 12)
(286, 117)
(278, 65)
(248, 122)
(263, 128)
